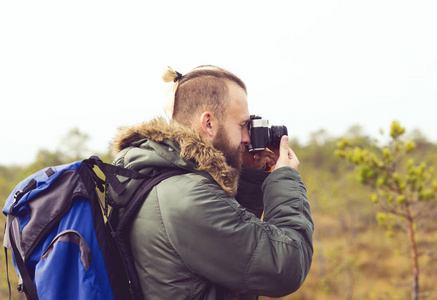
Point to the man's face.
(233, 154)
(233, 135)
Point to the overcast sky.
(309, 65)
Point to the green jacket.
(193, 239)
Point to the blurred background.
(309, 65)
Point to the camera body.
(263, 136)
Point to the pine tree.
(404, 191)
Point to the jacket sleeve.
(287, 211)
(249, 193)
(222, 242)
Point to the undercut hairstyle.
(202, 89)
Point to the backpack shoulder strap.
(139, 197)
(118, 224)
(110, 172)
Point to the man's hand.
(259, 160)
(275, 159)
(287, 158)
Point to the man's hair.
(202, 89)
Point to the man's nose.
(245, 137)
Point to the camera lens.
(276, 133)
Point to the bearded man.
(199, 235)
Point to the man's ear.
(208, 124)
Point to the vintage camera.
(262, 136)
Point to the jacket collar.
(192, 147)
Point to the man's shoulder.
(189, 185)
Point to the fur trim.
(193, 146)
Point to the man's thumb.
(284, 141)
(284, 146)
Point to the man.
(199, 235)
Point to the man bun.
(171, 75)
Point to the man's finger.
(284, 146)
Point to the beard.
(233, 155)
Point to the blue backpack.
(65, 244)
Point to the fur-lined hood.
(192, 148)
